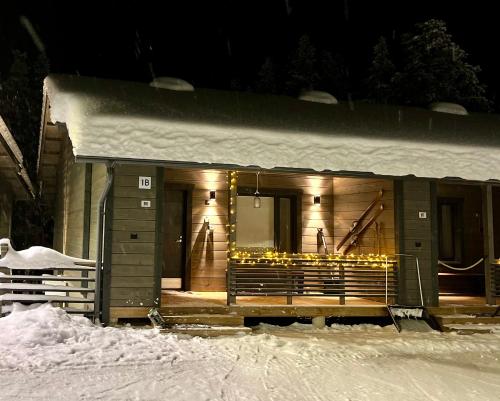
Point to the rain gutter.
(101, 226)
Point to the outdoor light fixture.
(256, 199)
(210, 198)
(317, 199)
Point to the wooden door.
(174, 258)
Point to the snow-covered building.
(15, 183)
(213, 191)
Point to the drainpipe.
(100, 242)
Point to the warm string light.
(276, 258)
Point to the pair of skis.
(358, 228)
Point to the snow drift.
(49, 355)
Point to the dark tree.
(435, 69)
(381, 73)
(302, 73)
(333, 75)
(21, 100)
(268, 77)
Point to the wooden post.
(3, 250)
(232, 182)
(342, 280)
(489, 244)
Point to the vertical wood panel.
(351, 197)
(125, 227)
(207, 249)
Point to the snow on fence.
(39, 275)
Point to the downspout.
(100, 242)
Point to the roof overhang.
(13, 174)
(114, 120)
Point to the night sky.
(210, 43)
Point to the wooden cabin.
(203, 197)
(15, 183)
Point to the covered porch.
(312, 239)
(277, 238)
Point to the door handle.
(179, 240)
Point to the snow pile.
(124, 120)
(407, 313)
(36, 257)
(44, 337)
(44, 351)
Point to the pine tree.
(20, 102)
(381, 73)
(302, 73)
(267, 78)
(436, 69)
(333, 75)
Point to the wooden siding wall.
(351, 196)
(132, 260)
(6, 204)
(208, 250)
(496, 220)
(417, 237)
(313, 216)
(472, 220)
(69, 211)
(98, 181)
(469, 281)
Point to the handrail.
(418, 274)
(440, 262)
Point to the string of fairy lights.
(272, 257)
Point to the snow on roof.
(129, 120)
(318, 97)
(174, 84)
(452, 108)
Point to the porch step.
(193, 310)
(469, 324)
(207, 331)
(467, 319)
(485, 310)
(205, 319)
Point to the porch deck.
(180, 303)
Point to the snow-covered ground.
(46, 354)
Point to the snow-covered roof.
(109, 119)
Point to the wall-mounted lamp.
(317, 199)
(256, 196)
(211, 197)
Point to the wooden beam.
(489, 244)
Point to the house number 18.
(144, 182)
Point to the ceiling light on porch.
(256, 199)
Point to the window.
(274, 225)
(450, 224)
(254, 226)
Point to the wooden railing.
(495, 278)
(56, 286)
(325, 277)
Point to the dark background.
(211, 43)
